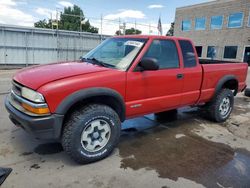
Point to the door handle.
(180, 76)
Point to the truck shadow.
(173, 151)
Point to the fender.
(77, 96)
(223, 80)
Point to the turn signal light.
(35, 110)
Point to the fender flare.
(83, 94)
(223, 80)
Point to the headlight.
(32, 95)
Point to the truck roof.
(151, 37)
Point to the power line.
(111, 20)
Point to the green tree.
(131, 31)
(42, 24)
(72, 19)
(171, 30)
(88, 28)
(118, 32)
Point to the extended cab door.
(192, 74)
(153, 91)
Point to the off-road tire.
(247, 92)
(76, 123)
(213, 107)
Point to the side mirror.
(148, 64)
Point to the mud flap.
(4, 173)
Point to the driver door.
(155, 91)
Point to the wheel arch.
(229, 82)
(98, 95)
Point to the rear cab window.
(188, 54)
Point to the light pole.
(101, 26)
(124, 28)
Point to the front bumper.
(47, 127)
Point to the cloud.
(126, 14)
(155, 6)
(65, 4)
(10, 14)
(22, 2)
(7, 3)
(46, 12)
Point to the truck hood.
(36, 76)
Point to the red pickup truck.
(83, 103)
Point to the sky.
(142, 14)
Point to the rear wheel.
(91, 133)
(221, 107)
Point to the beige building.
(220, 29)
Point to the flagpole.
(159, 26)
(160, 23)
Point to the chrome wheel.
(96, 135)
(225, 107)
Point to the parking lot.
(182, 151)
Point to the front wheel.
(221, 106)
(91, 133)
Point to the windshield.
(116, 52)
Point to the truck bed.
(214, 71)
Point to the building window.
(212, 52)
(249, 20)
(200, 23)
(235, 20)
(188, 53)
(199, 50)
(216, 22)
(230, 52)
(186, 25)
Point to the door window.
(165, 52)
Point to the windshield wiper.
(98, 62)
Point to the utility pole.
(124, 28)
(101, 26)
(80, 23)
(119, 26)
(51, 19)
(57, 19)
(135, 26)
